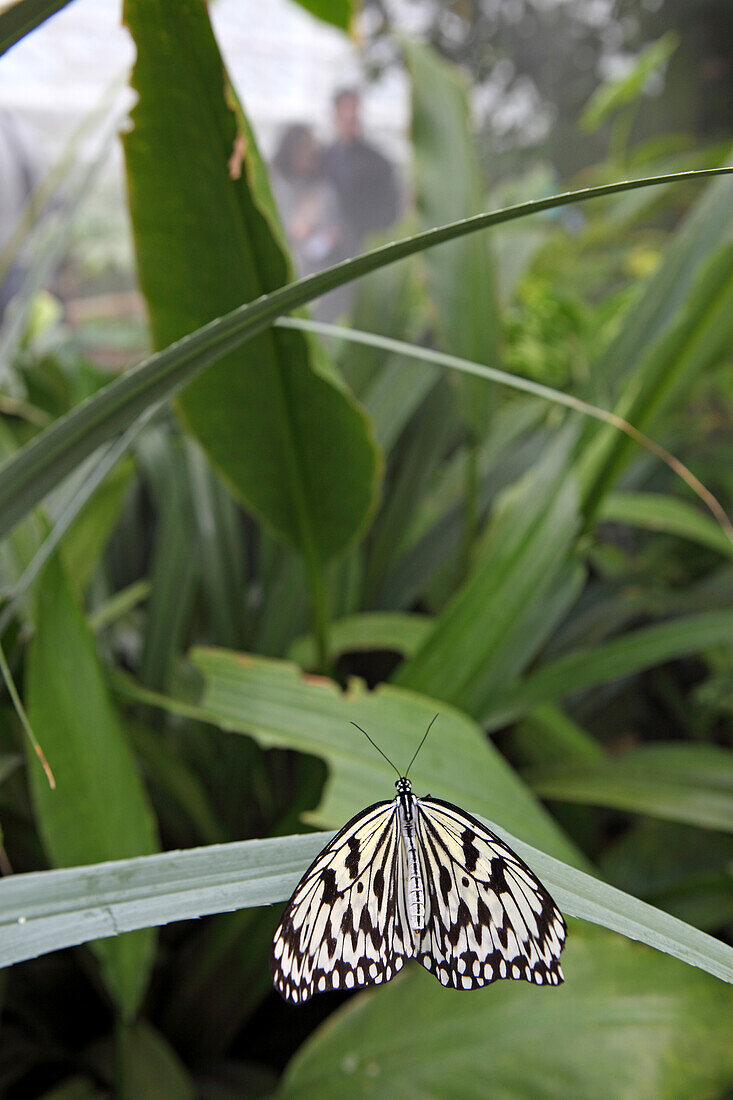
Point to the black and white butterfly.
(415, 878)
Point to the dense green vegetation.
(216, 562)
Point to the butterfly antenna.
(376, 746)
(417, 750)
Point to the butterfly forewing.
(489, 915)
(345, 924)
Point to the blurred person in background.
(308, 203)
(363, 178)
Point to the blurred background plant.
(423, 539)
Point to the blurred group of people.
(332, 197)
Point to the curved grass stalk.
(50, 456)
(526, 385)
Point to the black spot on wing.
(330, 891)
(470, 851)
(351, 863)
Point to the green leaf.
(175, 562)
(593, 666)
(279, 432)
(687, 783)
(414, 471)
(338, 12)
(614, 94)
(449, 185)
(148, 1067)
(222, 965)
(221, 551)
(84, 543)
(49, 910)
(99, 809)
(23, 17)
(548, 736)
(275, 704)
(684, 870)
(370, 630)
(31, 473)
(527, 543)
(658, 512)
(625, 1023)
(706, 227)
(688, 341)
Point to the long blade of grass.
(23, 17)
(39, 466)
(49, 910)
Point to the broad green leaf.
(625, 1023)
(371, 630)
(149, 1069)
(295, 448)
(275, 704)
(24, 16)
(99, 809)
(624, 656)
(687, 783)
(27, 476)
(526, 546)
(659, 512)
(448, 185)
(48, 910)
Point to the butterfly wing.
(345, 924)
(489, 916)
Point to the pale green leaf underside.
(49, 910)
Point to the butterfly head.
(404, 786)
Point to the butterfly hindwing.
(345, 924)
(489, 916)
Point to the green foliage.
(24, 16)
(626, 90)
(278, 431)
(98, 809)
(672, 1025)
(173, 577)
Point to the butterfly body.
(416, 877)
(407, 809)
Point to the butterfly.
(415, 877)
